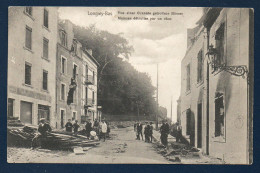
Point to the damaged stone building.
(217, 85)
(76, 78)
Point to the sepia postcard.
(130, 85)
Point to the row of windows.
(63, 94)
(29, 11)
(28, 42)
(220, 47)
(200, 64)
(75, 70)
(28, 76)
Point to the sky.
(154, 41)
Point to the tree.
(121, 88)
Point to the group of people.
(100, 129)
(72, 125)
(148, 131)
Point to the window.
(62, 118)
(93, 77)
(45, 48)
(45, 80)
(200, 67)
(74, 115)
(27, 74)
(86, 94)
(86, 71)
(219, 115)
(46, 18)
(63, 39)
(28, 10)
(75, 70)
(28, 38)
(62, 91)
(10, 107)
(63, 65)
(93, 97)
(188, 77)
(220, 44)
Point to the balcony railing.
(89, 103)
(89, 80)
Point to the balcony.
(89, 103)
(89, 80)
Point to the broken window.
(220, 44)
(188, 77)
(62, 92)
(200, 67)
(219, 115)
(63, 39)
(63, 65)
(75, 70)
(28, 10)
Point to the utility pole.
(157, 112)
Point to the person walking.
(164, 129)
(139, 130)
(88, 128)
(43, 129)
(151, 132)
(103, 130)
(69, 126)
(76, 127)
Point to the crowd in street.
(148, 132)
(98, 130)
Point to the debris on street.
(22, 136)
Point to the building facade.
(76, 77)
(216, 100)
(32, 38)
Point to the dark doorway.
(43, 112)
(26, 112)
(199, 126)
(188, 122)
(10, 107)
(62, 114)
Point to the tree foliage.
(121, 88)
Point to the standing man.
(76, 127)
(151, 132)
(88, 127)
(69, 126)
(139, 130)
(43, 129)
(179, 132)
(147, 132)
(103, 130)
(164, 129)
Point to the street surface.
(122, 147)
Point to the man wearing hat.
(88, 127)
(43, 128)
(164, 129)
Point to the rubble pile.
(177, 151)
(22, 136)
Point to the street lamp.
(240, 70)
